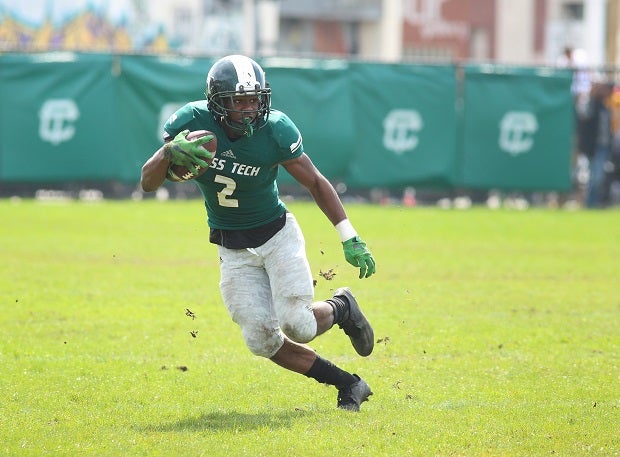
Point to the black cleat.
(352, 396)
(356, 326)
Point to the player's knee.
(263, 341)
(299, 324)
(300, 335)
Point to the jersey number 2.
(224, 194)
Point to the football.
(179, 173)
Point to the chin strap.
(249, 129)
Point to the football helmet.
(234, 76)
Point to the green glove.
(358, 255)
(188, 153)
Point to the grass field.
(499, 336)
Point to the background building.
(525, 32)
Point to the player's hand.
(188, 153)
(358, 255)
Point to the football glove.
(188, 153)
(358, 255)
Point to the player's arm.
(154, 171)
(325, 196)
(179, 151)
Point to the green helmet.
(237, 75)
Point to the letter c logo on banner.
(400, 128)
(56, 118)
(517, 129)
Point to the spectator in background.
(575, 60)
(595, 138)
(581, 74)
(612, 183)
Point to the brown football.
(179, 173)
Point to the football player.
(266, 283)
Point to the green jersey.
(240, 188)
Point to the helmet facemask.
(222, 106)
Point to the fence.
(98, 117)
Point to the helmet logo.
(400, 130)
(249, 84)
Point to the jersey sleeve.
(184, 118)
(287, 136)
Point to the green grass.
(499, 331)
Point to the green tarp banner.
(405, 125)
(517, 129)
(372, 124)
(94, 117)
(317, 96)
(57, 118)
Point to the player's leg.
(291, 282)
(351, 319)
(352, 390)
(246, 289)
(246, 293)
